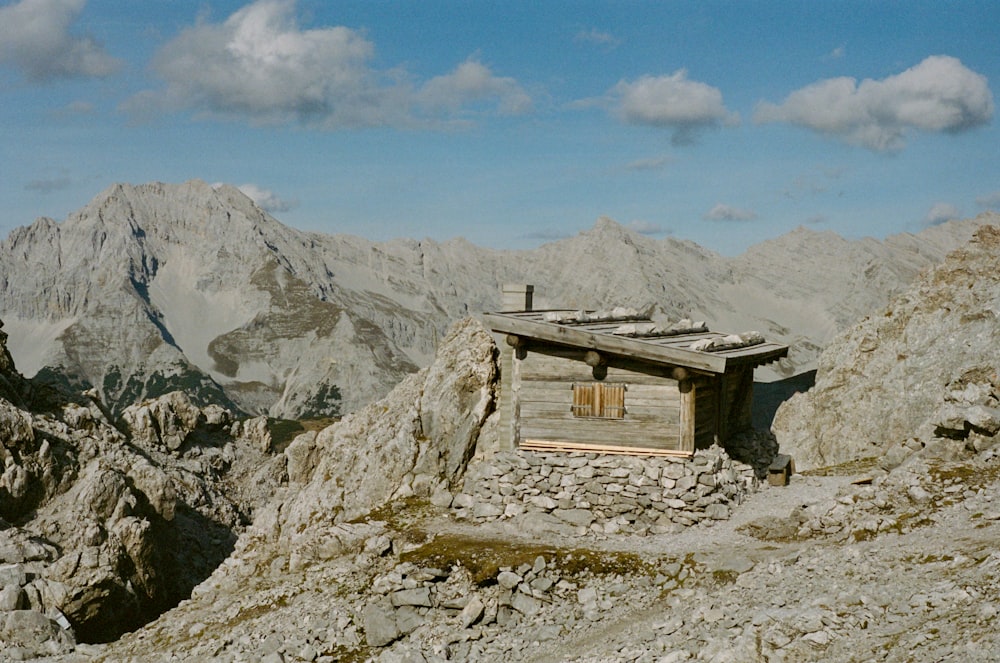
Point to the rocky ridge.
(156, 287)
(106, 523)
(924, 372)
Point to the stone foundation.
(606, 494)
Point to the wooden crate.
(781, 470)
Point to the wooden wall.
(536, 397)
(543, 397)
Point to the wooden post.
(687, 426)
(517, 296)
(515, 399)
(505, 441)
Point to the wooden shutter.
(612, 401)
(583, 400)
(606, 401)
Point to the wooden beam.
(514, 341)
(688, 409)
(556, 445)
(594, 359)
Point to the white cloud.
(259, 66)
(939, 94)
(672, 102)
(35, 38)
(473, 82)
(722, 212)
(647, 228)
(266, 199)
(940, 213)
(837, 53)
(990, 200)
(598, 37)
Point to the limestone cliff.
(923, 371)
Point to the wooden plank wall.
(652, 402)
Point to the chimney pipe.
(517, 297)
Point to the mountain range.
(156, 287)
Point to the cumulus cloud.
(990, 200)
(35, 38)
(722, 212)
(266, 199)
(940, 94)
(940, 213)
(673, 102)
(260, 66)
(473, 82)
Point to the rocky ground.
(854, 565)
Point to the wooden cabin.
(616, 382)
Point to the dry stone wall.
(582, 493)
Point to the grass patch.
(857, 466)
(400, 515)
(484, 558)
(723, 577)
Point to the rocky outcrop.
(156, 288)
(414, 442)
(102, 527)
(923, 372)
(172, 420)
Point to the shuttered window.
(598, 399)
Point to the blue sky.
(512, 123)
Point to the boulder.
(33, 634)
(934, 367)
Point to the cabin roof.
(603, 332)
